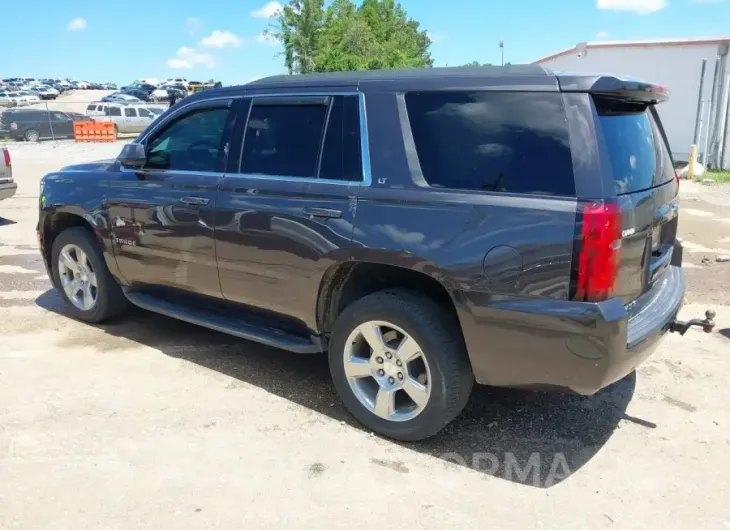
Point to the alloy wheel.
(78, 278)
(387, 371)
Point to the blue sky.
(119, 42)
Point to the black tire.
(110, 300)
(31, 135)
(442, 344)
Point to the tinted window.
(191, 143)
(130, 113)
(639, 158)
(115, 111)
(513, 142)
(91, 107)
(144, 113)
(283, 140)
(341, 152)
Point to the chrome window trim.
(364, 139)
(364, 142)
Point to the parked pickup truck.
(7, 184)
(427, 229)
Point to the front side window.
(144, 113)
(130, 113)
(512, 142)
(190, 143)
(115, 111)
(283, 140)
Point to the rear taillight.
(599, 251)
(6, 155)
(13, 126)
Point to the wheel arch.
(52, 223)
(347, 281)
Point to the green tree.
(377, 34)
(298, 28)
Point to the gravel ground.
(152, 423)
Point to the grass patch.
(721, 177)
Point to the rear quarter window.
(511, 142)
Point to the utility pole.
(501, 49)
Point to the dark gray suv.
(425, 228)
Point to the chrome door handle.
(322, 212)
(194, 201)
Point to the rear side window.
(636, 149)
(91, 107)
(115, 111)
(130, 113)
(513, 142)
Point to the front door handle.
(194, 201)
(322, 212)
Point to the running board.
(238, 327)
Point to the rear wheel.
(31, 135)
(399, 364)
(88, 289)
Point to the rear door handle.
(194, 201)
(322, 212)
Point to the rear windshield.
(636, 149)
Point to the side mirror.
(133, 156)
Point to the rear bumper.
(575, 346)
(7, 190)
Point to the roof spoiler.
(622, 88)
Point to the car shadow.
(533, 438)
(6, 222)
(725, 332)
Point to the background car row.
(20, 92)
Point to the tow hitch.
(677, 326)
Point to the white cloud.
(193, 25)
(221, 39)
(186, 58)
(602, 34)
(266, 38)
(271, 9)
(640, 7)
(76, 24)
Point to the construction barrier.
(94, 131)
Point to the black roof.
(331, 79)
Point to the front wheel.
(399, 364)
(88, 289)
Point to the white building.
(675, 64)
